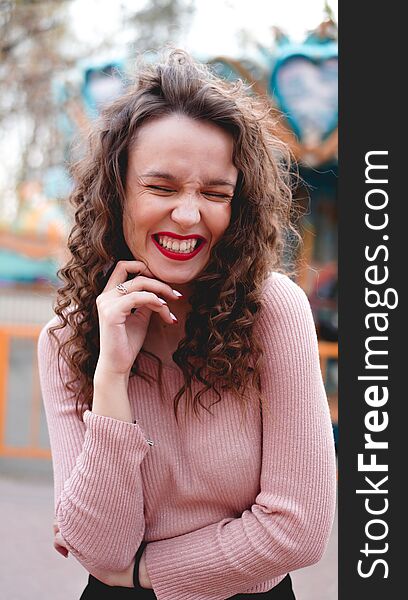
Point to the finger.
(142, 283)
(123, 269)
(59, 540)
(62, 550)
(135, 300)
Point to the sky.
(218, 35)
(215, 24)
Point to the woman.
(191, 440)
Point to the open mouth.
(184, 251)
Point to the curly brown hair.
(219, 349)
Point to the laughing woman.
(191, 440)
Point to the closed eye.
(159, 188)
(215, 195)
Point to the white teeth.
(185, 246)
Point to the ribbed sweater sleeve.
(288, 525)
(97, 481)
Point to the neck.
(180, 308)
(162, 338)
(184, 288)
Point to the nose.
(186, 214)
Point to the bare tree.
(160, 22)
(33, 53)
(32, 35)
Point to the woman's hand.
(122, 333)
(125, 578)
(111, 578)
(59, 542)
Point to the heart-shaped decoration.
(304, 83)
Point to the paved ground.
(30, 569)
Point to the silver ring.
(121, 288)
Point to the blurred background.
(60, 62)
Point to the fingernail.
(161, 300)
(174, 317)
(176, 293)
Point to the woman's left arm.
(289, 524)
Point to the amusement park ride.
(300, 83)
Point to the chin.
(178, 280)
(172, 276)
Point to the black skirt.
(96, 590)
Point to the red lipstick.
(176, 236)
(179, 255)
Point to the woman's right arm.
(97, 479)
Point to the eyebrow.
(170, 177)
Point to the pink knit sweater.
(225, 506)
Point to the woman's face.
(179, 187)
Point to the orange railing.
(33, 447)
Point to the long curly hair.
(219, 349)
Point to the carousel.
(299, 80)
